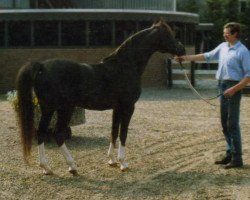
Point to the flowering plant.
(12, 98)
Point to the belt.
(228, 81)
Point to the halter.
(207, 100)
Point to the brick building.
(85, 31)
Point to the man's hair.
(234, 28)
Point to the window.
(100, 33)
(46, 33)
(73, 33)
(124, 29)
(144, 24)
(2, 34)
(180, 32)
(190, 34)
(19, 33)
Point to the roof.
(96, 14)
(204, 26)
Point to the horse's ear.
(154, 23)
(159, 22)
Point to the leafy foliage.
(219, 12)
(188, 6)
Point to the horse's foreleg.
(114, 135)
(125, 119)
(112, 161)
(121, 157)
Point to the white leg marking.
(112, 161)
(121, 157)
(69, 159)
(43, 161)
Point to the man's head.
(232, 32)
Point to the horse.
(114, 83)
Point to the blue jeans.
(230, 117)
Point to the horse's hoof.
(47, 172)
(112, 163)
(73, 172)
(46, 169)
(124, 167)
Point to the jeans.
(230, 117)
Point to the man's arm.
(196, 57)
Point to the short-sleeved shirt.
(234, 62)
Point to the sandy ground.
(173, 140)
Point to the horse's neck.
(138, 58)
(134, 52)
(143, 61)
(141, 50)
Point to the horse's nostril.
(180, 51)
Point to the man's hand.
(232, 90)
(229, 92)
(179, 58)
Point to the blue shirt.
(234, 62)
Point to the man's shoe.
(224, 161)
(234, 164)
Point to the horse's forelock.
(162, 24)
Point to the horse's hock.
(12, 59)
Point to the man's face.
(231, 38)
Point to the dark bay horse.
(115, 83)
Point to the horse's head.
(167, 42)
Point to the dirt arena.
(173, 140)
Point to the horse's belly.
(97, 104)
(100, 108)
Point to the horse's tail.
(25, 83)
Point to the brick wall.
(12, 59)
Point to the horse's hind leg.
(127, 112)
(41, 137)
(63, 119)
(114, 135)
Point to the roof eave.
(96, 14)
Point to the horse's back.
(63, 80)
(62, 67)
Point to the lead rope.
(207, 100)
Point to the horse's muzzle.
(180, 49)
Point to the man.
(233, 74)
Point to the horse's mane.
(125, 45)
(161, 24)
